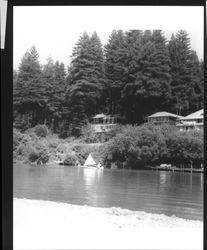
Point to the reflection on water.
(91, 179)
(90, 175)
(163, 177)
(170, 193)
(201, 182)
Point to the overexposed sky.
(54, 30)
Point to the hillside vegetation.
(31, 147)
(127, 147)
(149, 145)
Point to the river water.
(161, 192)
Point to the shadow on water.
(170, 193)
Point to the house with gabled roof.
(164, 117)
(102, 123)
(192, 121)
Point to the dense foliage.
(70, 160)
(139, 146)
(85, 81)
(134, 75)
(186, 70)
(127, 147)
(38, 95)
(30, 148)
(41, 130)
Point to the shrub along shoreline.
(139, 146)
(127, 146)
(38, 146)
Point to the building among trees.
(193, 121)
(164, 117)
(135, 74)
(104, 123)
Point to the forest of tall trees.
(135, 74)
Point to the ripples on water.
(169, 193)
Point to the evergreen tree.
(197, 77)
(148, 80)
(54, 80)
(15, 77)
(184, 80)
(15, 112)
(29, 67)
(132, 67)
(98, 71)
(201, 103)
(86, 80)
(59, 94)
(48, 79)
(138, 74)
(114, 68)
(162, 70)
(147, 36)
(28, 97)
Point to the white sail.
(90, 161)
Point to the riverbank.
(128, 147)
(28, 147)
(175, 169)
(51, 225)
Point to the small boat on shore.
(90, 163)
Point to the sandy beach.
(51, 225)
